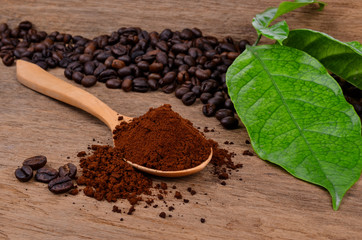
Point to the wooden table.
(267, 204)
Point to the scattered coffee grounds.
(178, 195)
(162, 215)
(247, 141)
(202, 220)
(161, 139)
(248, 153)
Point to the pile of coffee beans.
(185, 62)
(59, 181)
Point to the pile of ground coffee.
(171, 144)
(161, 139)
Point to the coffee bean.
(204, 97)
(60, 185)
(77, 77)
(46, 174)
(140, 84)
(127, 85)
(24, 174)
(153, 83)
(229, 122)
(217, 101)
(162, 45)
(35, 162)
(189, 98)
(8, 60)
(162, 57)
(242, 45)
(229, 104)
(196, 90)
(113, 83)
(180, 47)
(186, 34)
(209, 110)
(169, 88)
(181, 91)
(107, 74)
(69, 170)
(118, 64)
(169, 77)
(202, 74)
(222, 113)
(166, 34)
(143, 65)
(89, 81)
(25, 25)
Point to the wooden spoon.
(34, 77)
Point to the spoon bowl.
(34, 77)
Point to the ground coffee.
(161, 139)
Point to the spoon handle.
(36, 78)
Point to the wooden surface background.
(267, 204)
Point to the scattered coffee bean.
(69, 170)
(24, 173)
(229, 122)
(60, 185)
(35, 162)
(46, 174)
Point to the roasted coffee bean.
(100, 68)
(170, 88)
(143, 65)
(166, 34)
(229, 104)
(189, 60)
(51, 62)
(125, 71)
(77, 77)
(35, 162)
(196, 90)
(118, 64)
(107, 74)
(85, 58)
(127, 85)
(169, 77)
(229, 122)
(189, 98)
(183, 76)
(204, 97)
(222, 113)
(108, 62)
(208, 86)
(140, 84)
(197, 32)
(75, 66)
(24, 173)
(217, 101)
(242, 45)
(25, 25)
(69, 170)
(162, 45)
(209, 110)
(8, 60)
(3, 27)
(68, 73)
(153, 83)
(186, 34)
(89, 81)
(113, 83)
(181, 91)
(227, 47)
(89, 68)
(60, 185)
(162, 57)
(202, 74)
(46, 174)
(156, 67)
(180, 48)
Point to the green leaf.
(279, 31)
(343, 59)
(297, 117)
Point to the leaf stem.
(257, 40)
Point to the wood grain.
(267, 204)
